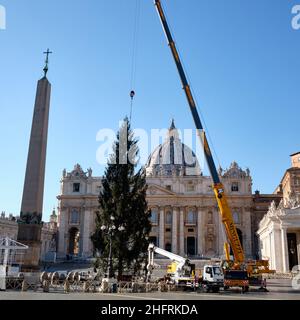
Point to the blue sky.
(242, 58)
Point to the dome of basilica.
(172, 158)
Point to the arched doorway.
(292, 250)
(74, 241)
(191, 246)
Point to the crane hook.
(132, 94)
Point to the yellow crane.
(238, 272)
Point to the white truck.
(182, 273)
(212, 278)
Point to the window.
(190, 187)
(153, 218)
(217, 270)
(191, 218)
(168, 187)
(76, 187)
(168, 229)
(190, 230)
(169, 218)
(74, 216)
(234, 186)
(236, 217)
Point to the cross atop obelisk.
(47, 61)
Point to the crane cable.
(134, 52)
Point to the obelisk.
(30, 223)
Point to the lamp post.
(110, 229)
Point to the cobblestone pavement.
(278, 290)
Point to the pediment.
(77, 173)
(154, 189)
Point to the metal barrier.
(72, 283)
(124, 287)
(14, 283)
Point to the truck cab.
(212, 278)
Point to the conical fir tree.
(122, 204)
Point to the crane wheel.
(245, 289)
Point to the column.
(285, 257)
(86, 233)
(271, 260)
(217, 231)
(66, 231)
(162, 228)
(81, 230)
(174, 231)
(181, 232)
(221, 234)
(247, 239)
(273, 248)
(199, 233)
(61, 233)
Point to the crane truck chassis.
(181, 272)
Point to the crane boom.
(168, 254)
(180, 262)
(218, 187)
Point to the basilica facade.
(279, 230)
(184, 213)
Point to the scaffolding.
(11, 258)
